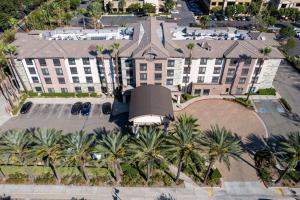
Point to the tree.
(10, 50)
(265, 52)
(95, 10)
(240, 9)
(290, 147)
(74, 4)
(220, 145)
(122, 5)
(181, 145)
(77, 148)
(115, 47)
(16, 143)
(149, 8)
(190, 47)
(291, 44)
(134, 7)
(146, 148)
(216, 9)
(204, 19)
(254, 8)
(230, 10)
(112, 148)
(169, 5)
(109, 7)
(270, 20)
(287, 31)
(47, 147)
(8, 36)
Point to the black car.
(106, 108)
(26, 107)
(86, 109)
(76, 108)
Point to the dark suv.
(106, 108)
(26, 107)
(76, 108)
(86, 108)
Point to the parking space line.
(91, 111)
(61, 111)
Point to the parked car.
(26, 107)
(86, 108)
(106, 108)
(174, 12)
(76, 108)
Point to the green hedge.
(58, 95)
(267, 91)
(244, 102)
(286, 104)
(32, 94)
(65, 95)
(294, 62)
(186, 97)
(82, 95)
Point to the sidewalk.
(4, 116)
(59, 100)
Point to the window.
(297, 4)
(157, 83)
(186, 70)
(59, 71)
(56, 62)
(61, 80)
(128, 63)
(129, 73)
(202, 70)
(29, 61)
(227, 90)
(215, 79)
(75, 79)
(143, 76)
(186, 61)
(89, 79)
(31, 70)
(45, 71)
(42, 62)
(157, 76)
(87, 70)
(71, 61)
(233, 62)
(217, 70)
(257, 70)
(200, 79)
(231, 71)
(203, 61)
(239, 90)
(158, 66)
(260, 61)
(91, 89)
(38, 89)
(35, 79)
(206, 92)
(228, 80)
(48, 80)
(143, 67)
(129, 81)
(213, 3)
(73, 70)
(171, 63)
(245, 72)
(219, 61)
(247, 62)
(77, 89)
(169, 81)
(197, 92)
(51, 90)
(85, 61)
(170, 72)
(64, 90)
(185, 79)
(242, 81)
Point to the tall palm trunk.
(284, 172)
(84, 173)
(11, 62)
(117, 172)
(14, 88)
(208, 171)
(179, 168)
(55, 173)
(13, 74)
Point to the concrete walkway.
(4, 116)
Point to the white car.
(174, 12)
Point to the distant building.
(117, 4)
(287, 4)
(151, 52)
(209, 4)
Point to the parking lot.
(59, 116)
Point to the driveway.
(59, 116)
(185, 17)
(239, 120)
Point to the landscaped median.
(62, 95)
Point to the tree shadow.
(291, 116)
(164, 196)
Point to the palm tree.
(147, 148)
(219, 145)
(15, 143)
(181, 145)
(77, 148)
(265, 52)
(115, 47)
(190, 47)
(10, 50)
(48, 148)
(100, 49)
(112, 148)
(290, 147)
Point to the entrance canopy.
(150, 104)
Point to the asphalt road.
(59, 116)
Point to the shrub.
(81, 95)
(294, 62)
(32, 94)
(267, 91)
(17, 178)
(46, 178)
(265, 175)
(58, 95)
(244, 102)
(215, 176)
(94, 94)
(295, 175)
(186, 97)
(286, 104)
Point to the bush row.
(286, 104)
(64, 95)
(267, 91)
